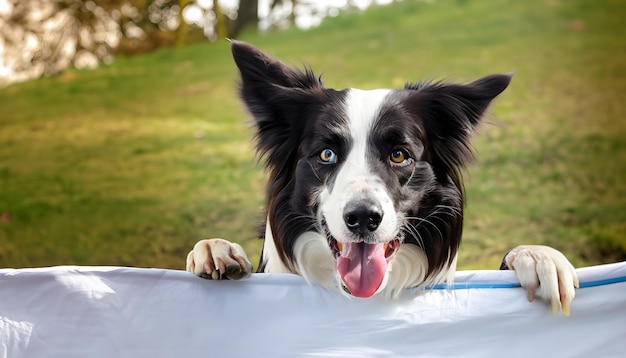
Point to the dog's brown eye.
(398, 156)
(327, 156)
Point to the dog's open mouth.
(362, 266)
(390, 247)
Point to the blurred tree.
(183, 28)
(146, 24)
(220, 21)
(42, 37)
(223, 19)
(282, 13)
(247, 16)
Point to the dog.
(365, 190)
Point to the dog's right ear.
(278, 97)
(450, 113)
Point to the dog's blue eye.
(327, 156)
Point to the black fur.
(296, 117)
(285, 104)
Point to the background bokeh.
(145, 149)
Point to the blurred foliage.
(44, 37)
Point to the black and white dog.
(365, 190)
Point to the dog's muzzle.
(362, 260)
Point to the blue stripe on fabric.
(474, 285)
(470, 285)
(607, 281)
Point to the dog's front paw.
(218, 259)
(546, 273)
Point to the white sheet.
(132, 312)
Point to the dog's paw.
(218, 259)
(546, 273)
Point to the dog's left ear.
(449, 114)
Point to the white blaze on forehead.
(362, 109)
(355, 177)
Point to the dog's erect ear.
(449, 114)
(278, 97)
(258, 68)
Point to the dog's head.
(370, 170)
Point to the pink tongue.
(362, 267)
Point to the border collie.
(365, 189)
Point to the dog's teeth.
(339, 246)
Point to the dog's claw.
(555, 307)
(531, 293)
(564, 308)
(218, 259)
(545, 273)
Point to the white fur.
(272, 260)
(314, 260)
(355, 177)
(312, 257)
(407, 269)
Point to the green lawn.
(131, 163)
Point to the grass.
(133, 162)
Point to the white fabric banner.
(131, 312)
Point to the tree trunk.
(247, 16)
(182, 31)
(221, 30)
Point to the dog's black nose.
(362, 217)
